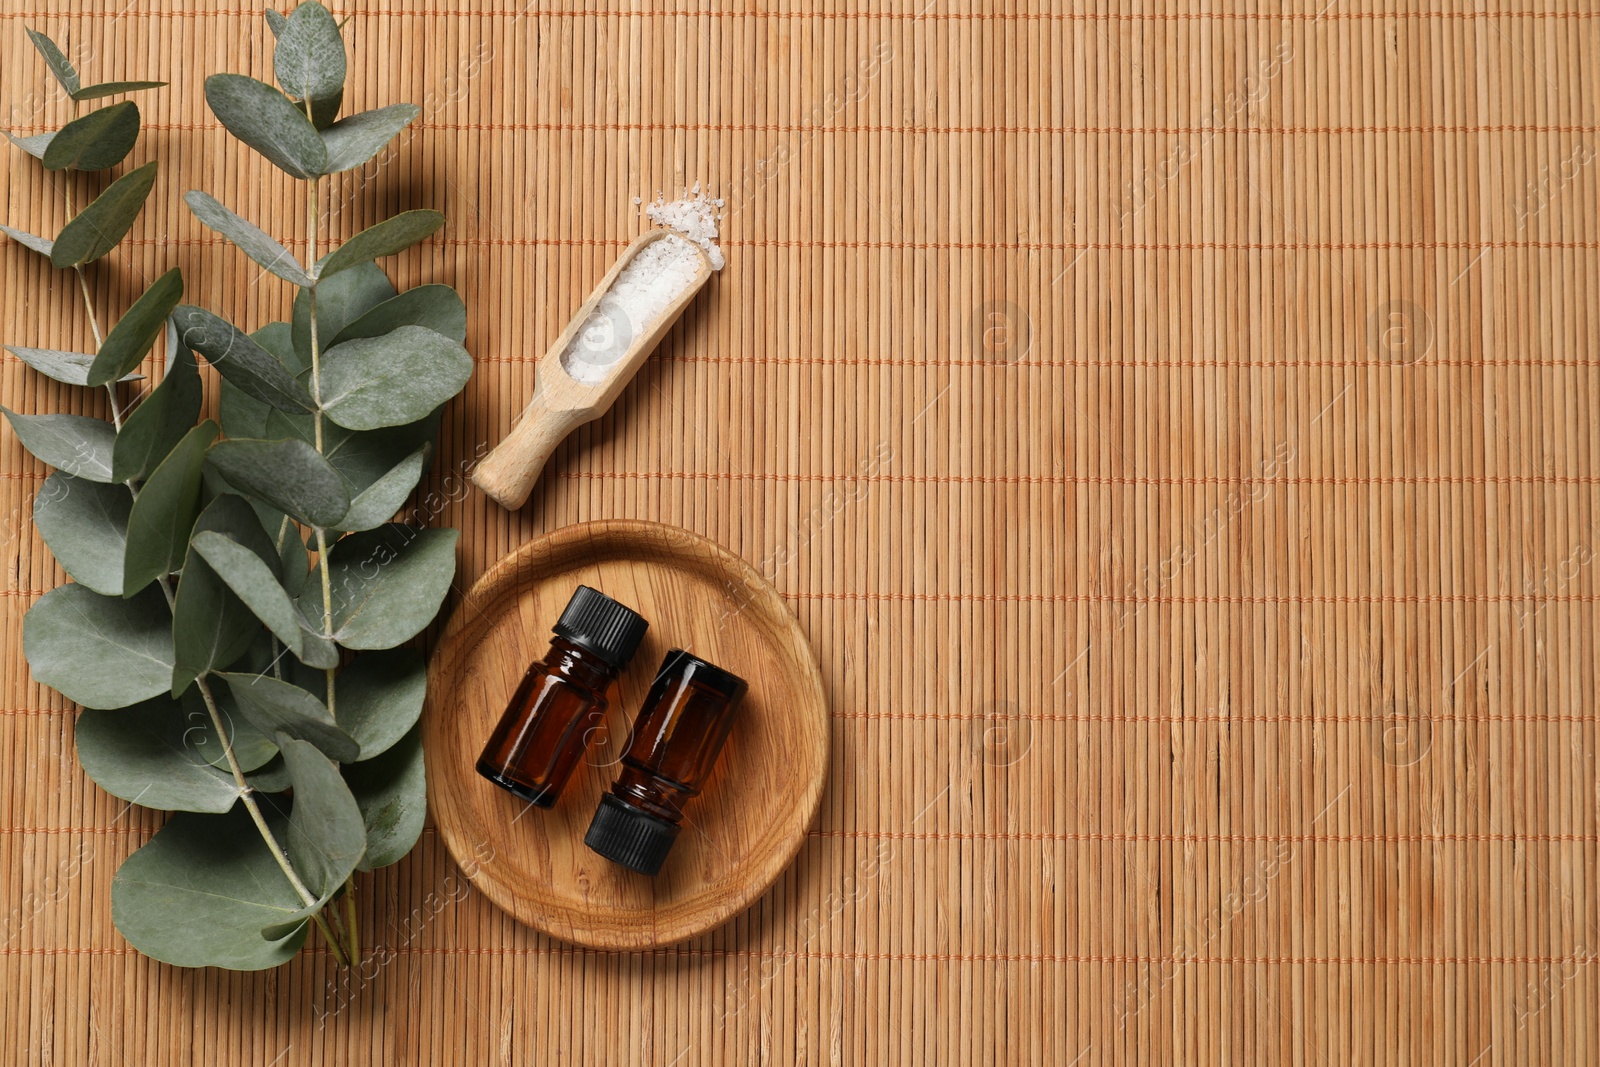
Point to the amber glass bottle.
(674, 744)
(562, 698)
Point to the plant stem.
(313, 205)
(351, 929)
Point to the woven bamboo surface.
(1172, 426)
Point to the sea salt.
(641, 292)
(695, 215)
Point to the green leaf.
(198, 893)
(240, 360)
(95, 92)
(353, 140)
(251, 747)
(250, 238)
(392, 793)
(326, 835)
(72, 368)
(41, 245)
(388, 583)
(309, 60)
(385, 239)
(254, 582)
(159, 525)
(437, 307)
(273, 778)
(377, 504)
(391, 380)
(125, 347)
(288, 474)
(86, 526)
(101, 139)
(156, 426)
(340, 301)
(264, 119)
(278, 338)
(147, 755)
(380, 697)
(211, 626)
(107, 220)
(103, 652)
(277, 21)
(76, 444)
(58, 64)
(35, 146)
(272, 705)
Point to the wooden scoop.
(560, 402)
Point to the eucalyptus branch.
(133, 508)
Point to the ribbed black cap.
(596, 622)
(623, 834)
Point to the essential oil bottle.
(675, 742)
(562, 698)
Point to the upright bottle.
(562, 698)
(674, 744)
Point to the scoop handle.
(508, 473)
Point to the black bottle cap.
(596, 622)
(635, 839)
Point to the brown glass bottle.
(676, 738)
(562, 699)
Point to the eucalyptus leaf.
(146, 755)
(327, 837)
(76, 444)
(341, 300)
(273, 705)
(71, 368)
(251, 747)
(288, 474)
(250, 238)
(159, 524)
(362, 457)
(392, 793)
(101, 139)
(388, 583)
(377, 504)
(357, 138)
(380, 697)
(103, 652)
(86, 526)
(438, 307)
(277, 21)
(95, 92)
(278, 338)
(272, 778)
(211, 626)
(107, 220)
(388, 237)
(198, 893)
(125, 346)
(240, 360)
(42, 245)
(58, 63)
(309, 60)
(35, 146)
(267, 121)
(253, 582)
(372, 382)
(156, 426)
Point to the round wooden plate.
(738, 835)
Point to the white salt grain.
(695, 216)
(644, 289)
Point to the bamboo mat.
(1172, 426)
